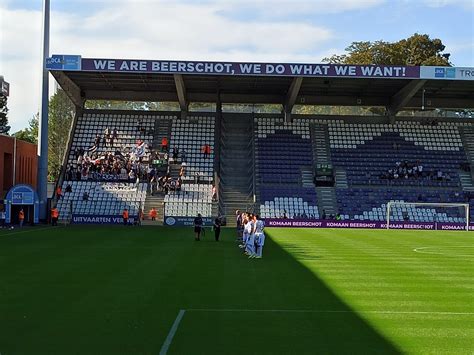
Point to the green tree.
(4, 127)
(339, 110)
(115, 105)
(29, 134)
(131, 105)
(418, 49)
(61, 116)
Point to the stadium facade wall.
(24, 160)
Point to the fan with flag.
(140, 148)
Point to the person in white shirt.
(250, 245)
(259, 236)
(245, 234)
(420, 169)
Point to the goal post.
(392, 204)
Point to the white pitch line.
(324, 311)
(26, 231)
(174, 328)
(425, 250)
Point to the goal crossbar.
(427, 204)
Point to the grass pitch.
(117, 290)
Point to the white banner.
(447, 73)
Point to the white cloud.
(145, 29)
(277, 8)
(469, 4)
(187, 30)
(20, 49)
(238, 30)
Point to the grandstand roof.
(395, 87)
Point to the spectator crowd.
(413, 170)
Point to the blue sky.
(237, 30)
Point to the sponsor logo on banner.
(305, 223)
(466, 73)
(93, 219)
(22, 198)
(186, 221)
(64, 62)
(439, 72)
(446, 73)
(170, 221)
(449, 73)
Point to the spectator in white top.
(214, 193)
(420, 169)
(439, 175)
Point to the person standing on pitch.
(244, 233)
(259, 236)
(140, 217)
(240, 228)
(21, 217)
(2, 218)
(217, 228)
(125, 217)
(198, 227)
(153, 214)
(54, 216)
(250, 245)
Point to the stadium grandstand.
(284, 165)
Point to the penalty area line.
(172, 332)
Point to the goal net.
(401, 211)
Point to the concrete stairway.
(156, 201)
(341, 178)
(327, 200)
(236, 165)
(467, 136)
(174, 170)
(466, 181)
(320, 142)
(307, 176)
(162, 129)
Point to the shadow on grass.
(275, 306)
(118, 291)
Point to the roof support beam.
(403, 97)
(291, 96)
(181, 91)
(70, 88)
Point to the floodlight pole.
(43, 121)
